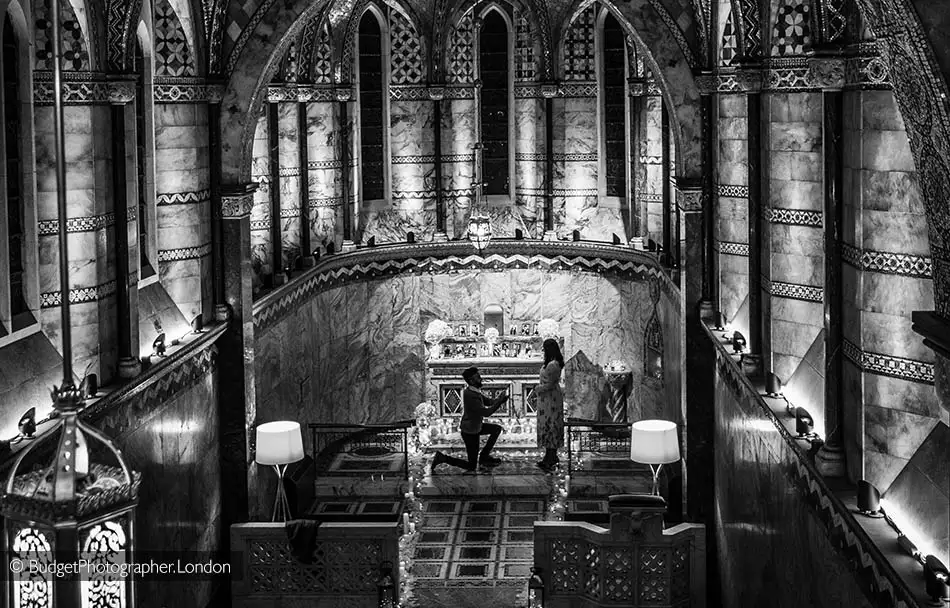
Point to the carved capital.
(637, 86)
(436, 93)
(549, 90)
(121, 92)
(750, 80)
(707, 83)
(826, 73)
(690, 195)
(236, 201)
(216, 93)
(344, 93)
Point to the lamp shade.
(654, 442)
(279, 443)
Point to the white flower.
(548, 328)
(437, 331)
(425, 410)
(491, 335)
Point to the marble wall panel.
(289, 170)
(324, 175)
(366, 358)
(261, 248)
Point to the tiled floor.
(477, 543)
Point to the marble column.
(757, 228)
(324, 170)
(529, 164)
(889, 405)
(276, 226)
(237, 405)
(183, 206)
(260, 218)
(288, 183)
(90, 226)
(793, 243)
(637, 224)
(650, 156)
(413, 173)
(732, 202)
(459, 135)
(576, 151)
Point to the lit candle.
(412, 527)
(567, 484)
(405, 523)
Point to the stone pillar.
(437, 94)
(530, 122)
(90, 223)
(324, 169)
(276, 211)
(459, 134)
(260, 218)
(550, 92)
(650, 157)
(757, 228)
(637, 224)
(303, 162)
(347, 163)
(183, 205)
(288, 184)
(126, 229)
(413, 169)
(237, 406)
(576, 158)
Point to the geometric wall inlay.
(413, 159)
(580, 47)
(76, 224)
(886, 262)
(184, 253)
(72, 42)
(405, 51)
(78, 296)
(808, 293)
(732, 191)
(322, 70)
(181, 90)
(791, 32)
(461, 68)
(794, 217)
(172, 56)
(889, 365)
(727, 248)
(525, 66)
(730, 42)
(183, 198)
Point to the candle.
(405, 523)
(567, 484)
(412, 527)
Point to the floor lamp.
(654, 442)
(278, 445)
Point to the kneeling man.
(476, 406)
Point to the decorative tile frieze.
(288, 172)
(260, 225)
(728, 248)
(392, 260)
(413, 159)
(651, 160)
(530, 157)
(574, 192)
(314, 165)
(458, 158)
(183, 198)
(413, 194)
(794, 217)
(732, 191)
(885, 262)
(79, 88)
(184, 253)
(794, 291)
(76, 224)
(326, 203)
(529, 91)
(575, 157)
(867, 72)
(460, 92)
(650, 197)
(409, 92)
(290, 213)
(889, 365)
(294, 93)
(79, 296)
(578, 89)
(186, 90)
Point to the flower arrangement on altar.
(491, 335)
(437, 331)
(548, 328)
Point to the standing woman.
(549, 403)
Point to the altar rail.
(371, 263)
(590, 436)
(332, 442)
(345, 565)
(633, 563)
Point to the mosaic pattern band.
(186, 90)
(889, 365)
(732, 191)
(76, 224)
(183, 198)
(81, 88)
(886, 262)
(184, 253)
(727, 248)
(391, 260)
(807, 293)
(79, 296)
(794, 217)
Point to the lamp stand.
(281, 503)
(656, 478)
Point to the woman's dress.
(550, 406)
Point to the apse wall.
(355, 352)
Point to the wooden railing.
(332, 442)
(633, 563)
(340, 568)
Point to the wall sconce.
(316, 254)
(804, 425)
(738, 342)
(158, 345)
(936, 577)
(386, 587)
(773, 385)
(536, 588)
(27, 424)
(869, 500)
(331, 248)
(720, 321)
(197, 325)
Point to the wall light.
(738, 342)
(720, 320)
(936, 576)
(869, 500)
(773, 385)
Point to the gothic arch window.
(373, 76)
(145, 211)
(17, 216)
(495, 73)
(614, 107)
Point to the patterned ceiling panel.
(791, 32)
(172, 55)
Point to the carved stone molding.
(186, 90)
(121, 92)
(344, 93)
(707, 83)
(549, 90)
(826, 73)
(745, 80)
(237, 201)
(436, 93)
